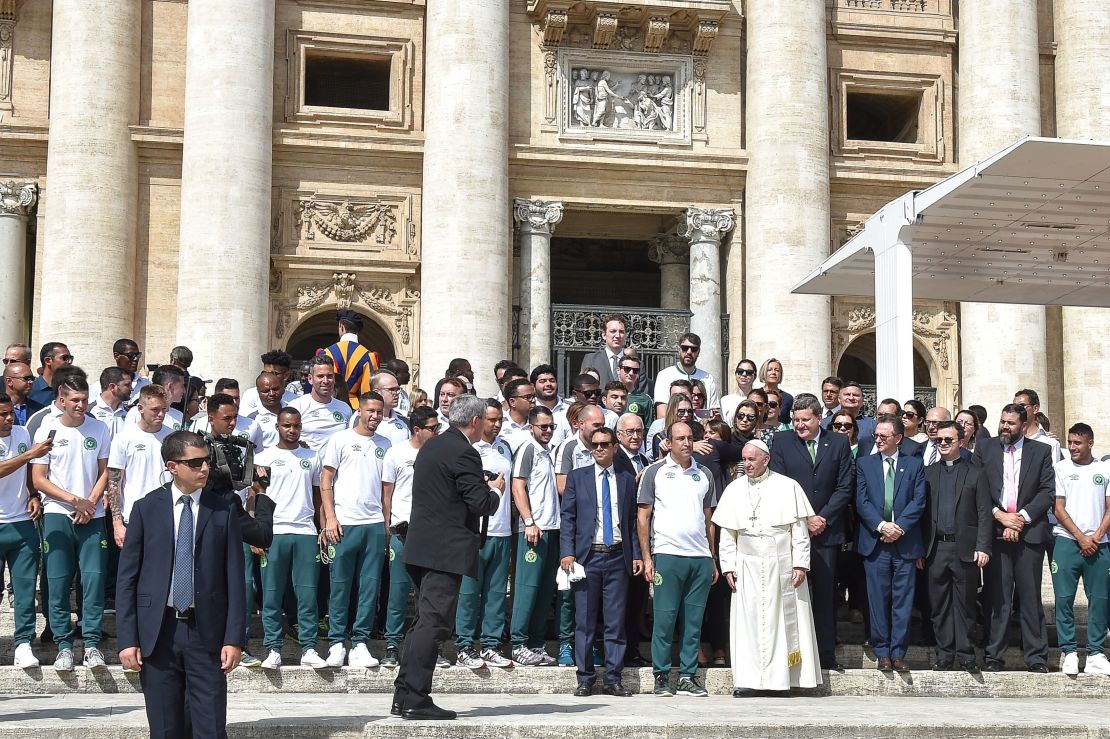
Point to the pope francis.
(765, 556)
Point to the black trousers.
(1015, 568)
(180, 665)
(822, 586)
(436, 597)
(952, 587)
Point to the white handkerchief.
(563, 579)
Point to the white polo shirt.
(497, 459)
(533, 463)
(668, 375)
(293, 473)
(320, 420)
(139, 455)
(267, 424)
(357, 489)
(113, 419)
(249, 402)
(174, 420)
(397, 470)
(572, 455)
(1084, 488)
(680, 497)
(74, 461)
(515, 434)
(13, 487)
(394, 429)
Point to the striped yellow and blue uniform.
(354, 363)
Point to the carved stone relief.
(18, 198)
(7, 54)
(376, 226)
(346, 221)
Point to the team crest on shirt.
(305, 464)
(45, 547)
(21, 449)
(337, 416)
(317, 558)
(379, 453)
(90, 444)
(697, 477)
(103, 543)
(1099, 480)
(633, 407)
(531, 557)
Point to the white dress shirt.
(599, 532)
(177, 507)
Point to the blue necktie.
(183, 558)
(606, 511)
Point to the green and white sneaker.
(689, 686)
(249, 661)
(663, 686)
(389, 660)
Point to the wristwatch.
(529, 521)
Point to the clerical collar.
(949, 463)
(760, 478)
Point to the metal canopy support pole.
(894, 299)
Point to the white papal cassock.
(763, 537)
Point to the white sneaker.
(272, 661)
(64, 662)
(336, 655)
(522, 655)
(94, 659)
(312, 659)
(469, 658)
(24, 657)
(493, 658)
(360, 657)
(1069, 663)
(545, 659)
(1097, 664)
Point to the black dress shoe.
(395, 709)
(616, 689)
(1041, 668)
(583, 690)
(430, 712)
(971, 667)
(744, 693)
(942, 666)
(885, 665)
(992, 666)
(833, 666)
(635, 659)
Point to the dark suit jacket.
(450, 497)
(909, 447)
(621, 462)
(146, 567)
(1036, 484)
(599, 360)
(829, 484)
(579, 515)
(973, 510)
(909, 504)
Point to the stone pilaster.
(226, 180)
(535, 220)
(786, 203)
(705, 228)
(92, 171)
(672, 253)
(465, 199)
(1002, 347)
(17, 200)
(1083, 112)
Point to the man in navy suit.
(890, 503)
(181, 610)
(821, 462)
(598, 531)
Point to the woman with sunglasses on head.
(913, 416)
(745, 378)
(970, 423)
(770, 374)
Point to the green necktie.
(888, 491)
(812, 444)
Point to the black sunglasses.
(602, 444)
(745, 372)
(844, 426)
(130, 355)
(433, 427)
(590, 393)
(544, 426)
(629, 370)
(196, 463)
(746, 416)
(688, 348)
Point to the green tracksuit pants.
(65, 547)
(19, 551)
(1067, 567)
(399, 588)
(533, 588)
(356, 572)
(480, 618)
(296, 556)
(681, 590)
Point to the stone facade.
(735, 142)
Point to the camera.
(230, 461)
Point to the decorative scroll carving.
(708, 224)
(346, 221)
(704, 36)
(604, 27)
(344, 289)
(551, 85)
(18, 198)
(275, 278)
(554, 26)
(539, 216)
(347, 293)
(381, 300)
(655, 33)
(669, 249)
(310, 296)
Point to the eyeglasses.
(25, 378)
(883, 437)
(689, 348)
(602, 444)
(544, 426)
(746, 416)
(196, 463)
(629, 370)
(391, 389)
(433, 427)
(909, 414)
(9, 361)
(588, 393)
(748, 372)
(529, 398)
(931, 423)
(698, 395)
(844, 426)
(66, 358)
(684, 412)
(129, 355)
(772, 405)
(631, 432)
(945, 440)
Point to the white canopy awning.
(1030, 224)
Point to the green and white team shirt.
(533, 463)
(75, 461)
(320, 420)
(139, 454)
(397, 470)
(498, 460)
(357, 489)
(174, 420)
(680, 497)
(267, 423)
(571, 455)
(13, 487)
(1084, 488)
(293, 474)
(393, 428)
(115, 420)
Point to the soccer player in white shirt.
(172, 380)
(321, 414)
(276, 364)
(488, 592)
(396, 508)
(354, 529)
(74, 477)
(271, 397)
(393, 426)
(294, 488)
(110, 406)
(135, 464)
(520, 395)
(19, 537)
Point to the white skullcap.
(758, 445)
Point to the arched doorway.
(858, 363)
(319, 331)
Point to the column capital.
(669, 248)
(18, 198)
(708, 224)
(537, 216)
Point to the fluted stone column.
(536, 219)
(672, 253)
(786, 210)
(17, 200)
(705, 227)
(1002, 347)
(465, 199)
(226, 178)
(91, 176)
(1083, 112)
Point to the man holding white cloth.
(765, 557)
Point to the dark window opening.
(361, 83)
(884, 117)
